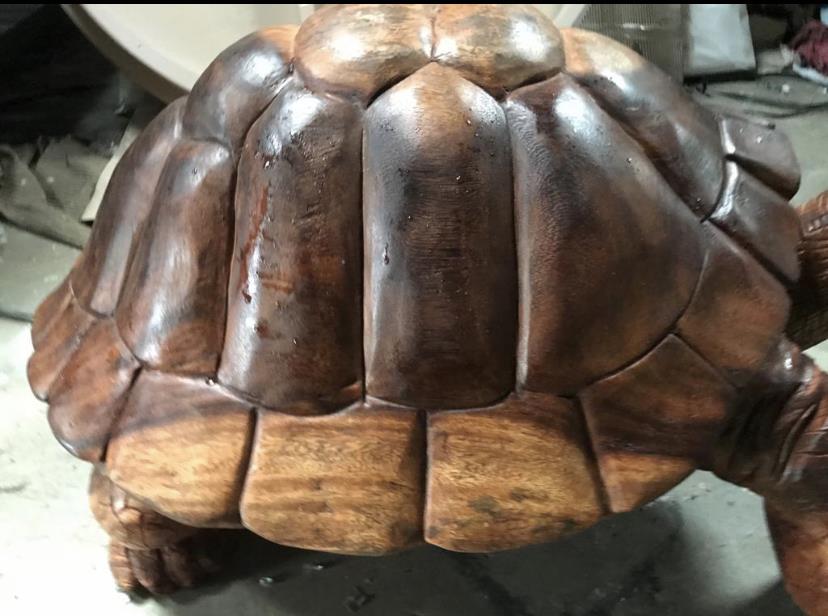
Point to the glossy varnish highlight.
(418, 273)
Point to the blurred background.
(77, 84)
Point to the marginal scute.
(87, 397)
(294, 326)
(172, 308)
(49, 311)
(509, 475)
(737, 311)
(439, 292)
(182, 444)
(238, 85)
(99, 275)
(357, 50)
(760, 220)
(653, 422)
(349, 482)
(608, 256)
(497, 46)
(762, 151)
(57, 345)
(680, 136)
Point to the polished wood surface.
(183, 444)
(762, 151)
(737, 310)
(522, 468)
(760, 220)
(82, 417)
(98, 278)
(653, 422)
(679, 136)
(437, 273)
(349, 482)
(297, 264)
(600, 234)
(173, 302)
(440, 291)
(357, 50)
(498, 47)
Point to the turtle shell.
(417, 272)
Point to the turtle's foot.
(149, 551)
(801, 542)
(165, 569)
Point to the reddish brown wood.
(357, 50)
(762, 151)
(49, 311)
(516, 473)
(680, 136)
(498, 47)
(736, 312)
(348, 482)
(294, 327)
(760, 220)
(499, 256)
(98, 278)
(600, 234)
(183, 445)
(440, 296)
(809, 318)
(57, 345)
(173, 303)
(238, 85)
(81, 416)
(147, 551)
(801, 542)
(654, 422)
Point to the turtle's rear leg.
(148, 551)
(777, 445)
(801, 542)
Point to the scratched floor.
(702, 550)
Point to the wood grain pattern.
(238, 85)
(497, 46)
(57, 346)
(182, 444)
(357, 50)
(172, 308)
(440, 297)
(128, 521)
(737, 311)
(147, 552)
(600, 235)
(764, 152)
(760, 220)
(294, 326)
(680, 137)
(99, 275)
(668, 405)
(350, 482)
(597, 236)
(80, 415)
(510, 475)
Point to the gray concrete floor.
(702, 550)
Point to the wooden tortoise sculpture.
(443, 274)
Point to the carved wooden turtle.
(440, 274)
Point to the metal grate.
(656, 31)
